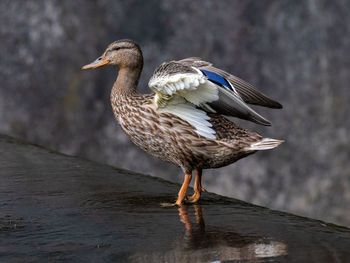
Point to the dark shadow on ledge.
(60, 208)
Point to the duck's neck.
(127, 81)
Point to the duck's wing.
(247, 92)
(206, 89)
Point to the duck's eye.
(115, 48)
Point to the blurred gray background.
(297, 52)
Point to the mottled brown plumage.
(166, 135)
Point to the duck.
(184, 120)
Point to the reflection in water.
(213, 244)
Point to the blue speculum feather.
(217, 79)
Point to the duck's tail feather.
(264, 144)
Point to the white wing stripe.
(196, 117)
(176, 82)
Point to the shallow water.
(60, 208)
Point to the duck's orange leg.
(182, 193)
(197, 187)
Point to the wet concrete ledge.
(57, 208)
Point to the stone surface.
(58, 208)
(294, 51)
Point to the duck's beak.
(97, 63)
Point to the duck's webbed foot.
(195, 197)
(197, 188)
(182, 193)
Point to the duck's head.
(122, 53)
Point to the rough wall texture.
(294, 51)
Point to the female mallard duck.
(182, 122)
